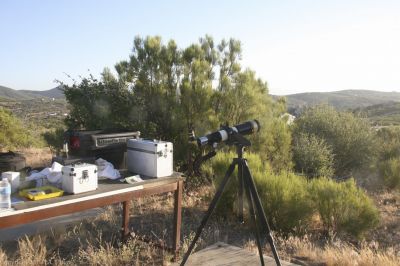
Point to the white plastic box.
(150, 158)
(79, 178)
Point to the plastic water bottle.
(5, 194)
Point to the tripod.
(256, 210)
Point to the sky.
(296, 46)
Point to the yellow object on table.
(40, 193)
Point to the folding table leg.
(177, 219)
(125, 219)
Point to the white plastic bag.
(52, 174)
(106, 169)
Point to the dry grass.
(96, 242)
(37, 157)
(88, 243)
(336, 252)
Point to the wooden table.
(108, 192)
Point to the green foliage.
(98, 105)
(344, 99)
(312, 156)
(390, 172)
(163, 91)
(389, 151)
(273, 142)
(351, 139)
(217, 168)
(290, 201)
(55, 138)
(343, 207)
(384, 114)
(286, 200)
(389, 142)
(284, 196)
(13, 134)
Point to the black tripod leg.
(241, 183)
(260, 211)
(210, 210)
(254, 221)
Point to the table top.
(105, 188)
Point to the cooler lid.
(148, 145)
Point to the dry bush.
(133, 252)
(31, 251)
(4, 258)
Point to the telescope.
(234, 136)
(225, 133)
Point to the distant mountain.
(346, 99)
(52, 93)
(10, 94)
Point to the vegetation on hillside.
(386, 114)
(312, 156)
(341, 100)
(350, 139)
(13, 134)
(21, 95)
(164, 91)
(302, 171)
(389, 156)
(38, 119)
(292, 201)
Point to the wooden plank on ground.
(221, 254)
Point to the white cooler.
(151, 158)
(79, 178)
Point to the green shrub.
(286, 201)
(216, 168)
(13, 134)
(290, 201)
(284, 197)
(389, 142)
(351, 138)
(312, 156)
(55, 138)
(343, 207)
(390, 172)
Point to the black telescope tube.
(245, 128)
(248, 127)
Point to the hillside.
(56, 93)
(40, 108)
(43, 112)
(346, 99)
(382, 114)
(20, 95)
(10, 94)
